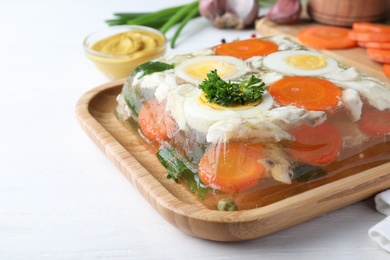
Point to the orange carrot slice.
(326, 37)
(369, 36)
(375, 122)
(154, 122)
(324, 139)
(307, 92)
(375, 45)
(386, 69)
(231, 167)
(379, 55)
(371, 27)
(246, 49)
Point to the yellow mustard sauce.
(118, 55)
(128, 43)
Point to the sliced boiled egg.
(195, 70)
(200, 115)
(300, 62)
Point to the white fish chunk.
(292, 116)
(353, 103)
(269, 126)
(122, 110)
(175, 103)
(271, 77)
(278, 165)
(349, 73)
(377, 94)
(252, 130)
(255, 62)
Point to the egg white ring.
(200, 117)
(275, 61)
(238, 63)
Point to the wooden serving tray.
(95, 112)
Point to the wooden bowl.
(345, 12)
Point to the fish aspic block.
(251, 122)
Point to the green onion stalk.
(163, 20)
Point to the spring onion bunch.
(180, 15)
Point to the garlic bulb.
(285, 11)
(236, 14)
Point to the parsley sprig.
(227, 93)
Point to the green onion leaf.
(150, 68)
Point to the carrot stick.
(379, 55)
(326, 142)
(370, 27)
(307, 92)
(154, 122)
(326, 37)
(231, 167)
(246, 49)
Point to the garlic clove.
(208, 9)
(247, 10)
(236, 14)
(285, 11)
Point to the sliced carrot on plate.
(369, 36)
(246, 49)
(375, 45)
(375, 122)
(324, 139)
(231, 167)
(370, 27)
(379, 55)
(326, 37)
(386, 69)
(154, 122)
(307, 92)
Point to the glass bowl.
(120, 54)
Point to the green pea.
(227, 204)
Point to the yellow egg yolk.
(204, 101)
(307, 62)
(199, 70)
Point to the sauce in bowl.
(117, 51)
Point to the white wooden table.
(61, 198)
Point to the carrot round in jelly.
(307, 92)
(375, 122)
(318, 145)
(154, 122)
(231, 167)
(246, 49)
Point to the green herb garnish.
(150, 68)
(162, 20)
(227, 93)
(179, 170)
(168, 158)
